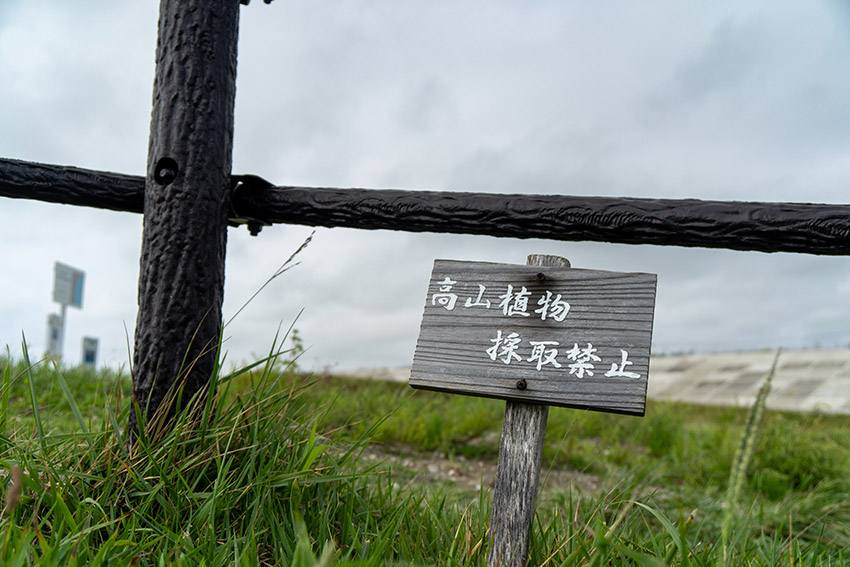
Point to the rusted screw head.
(521, 384)
(540, 276)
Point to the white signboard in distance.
(90, 351)
(68, 285)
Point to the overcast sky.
(719, 100)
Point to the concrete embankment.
(805, 380)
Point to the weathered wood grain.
(517, 481)
(767, 227)
(609, 312)
(518, 470)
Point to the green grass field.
(303, 470)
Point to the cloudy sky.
(720, 100)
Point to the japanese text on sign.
(510, 347)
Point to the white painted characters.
(555, 307)
(446, 298)
(512, 303)
(542, 355)
(478, 300)
(621, 370)
(504, 348)
(584, 359)
(515, 303)
(508, 348)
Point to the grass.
(279, 475)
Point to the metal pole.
(63, 312)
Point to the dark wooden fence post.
(187, 189)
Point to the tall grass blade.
(671, 530)
(212, 392)
(33, 397)
(113, 421)
(5, 391)
(285, 267)
(743, 456)
(75, 409)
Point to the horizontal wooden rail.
(71, 186)
(765, 227)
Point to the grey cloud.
(729, 59)
(426, 106)
(656, 100)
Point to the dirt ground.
(465, 473)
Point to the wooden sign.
(556, 336)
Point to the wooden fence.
(764, 227)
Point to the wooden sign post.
(536, 335)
